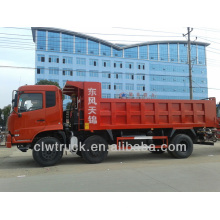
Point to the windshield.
(30, 102)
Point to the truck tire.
(176, 151)
(95, 149)
(44, 156)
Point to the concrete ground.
(121, 171)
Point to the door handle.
(40, 120)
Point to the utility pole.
(189, 61)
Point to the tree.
(1, 119)
(5, 112)
(47, 82)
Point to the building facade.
(151, 70)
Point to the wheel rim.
(48, 155)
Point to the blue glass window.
(118, 75)
(53, 70)
(140, 87)
(80, 45)
(106, 75)
(183, 53)
(141, 66)
(106, 85)
(131, 52)
(67, 43)
(163, 52)
(129, 86)
(201, 55)
(173, 53)
(40, 58)
(143, 53)
(117, 53)
(106, 95)
(118, 64)
(53, 59)
(40, 70)
(93, 62)
(106, 63)
(129, 65)
(67, 72)
(140, 77)
(93, 74)
(129, 76)
(80, 72)
(80, 61)
(105, 50)
(67, 60)
(53, 41)
(153, 52)
(118, 86)
(93, 47)
(41, 40)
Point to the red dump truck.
(38, 121)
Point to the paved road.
(122, 171)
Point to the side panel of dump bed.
(155, 113)
(145, 113)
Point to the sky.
(112, 22)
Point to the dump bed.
(100, 113)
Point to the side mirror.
(15, 101)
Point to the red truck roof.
(38, 88)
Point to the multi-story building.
(156, 69)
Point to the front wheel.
(181, 146)
(47, 151)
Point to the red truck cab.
(35, 109)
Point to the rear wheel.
(181, 146)
(47, 151)
(95, 149)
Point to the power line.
(16, 34)
(209, 29)
(210, 40)
(29, 29)
(147, 30)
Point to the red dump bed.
(100, 113)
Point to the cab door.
(31, 108)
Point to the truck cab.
(35, 110)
